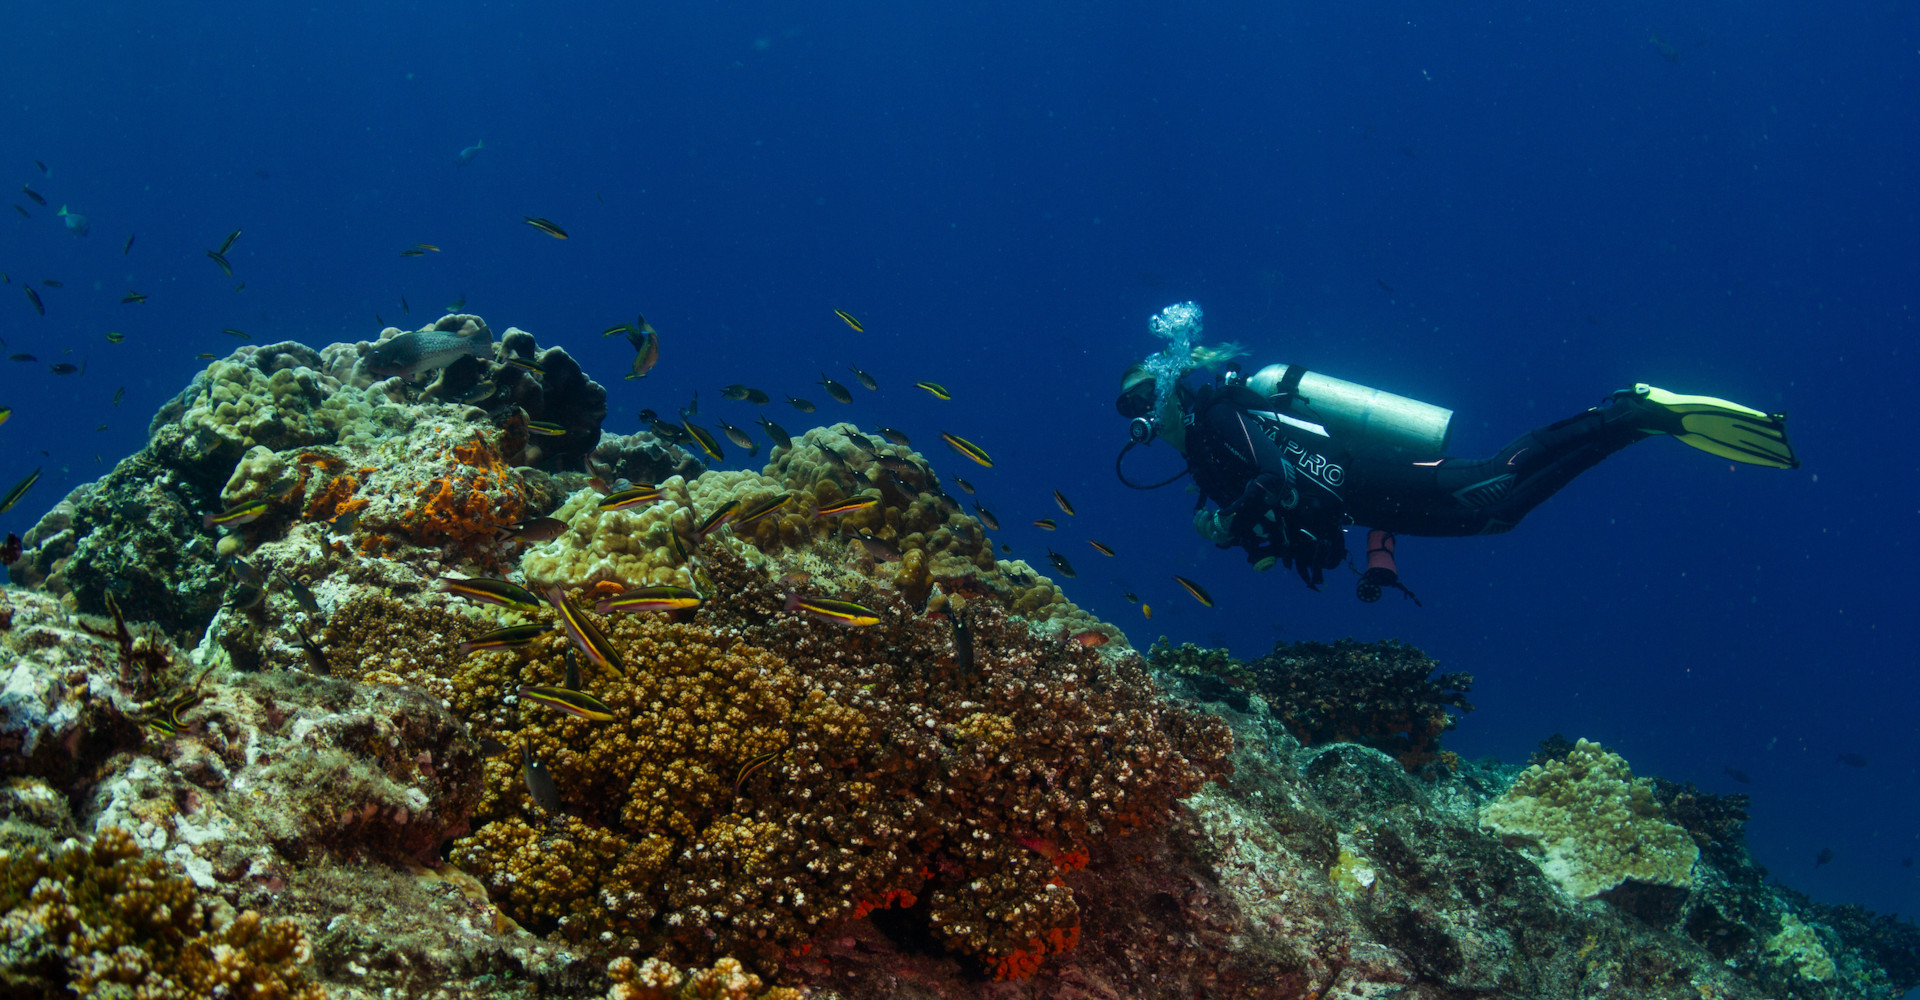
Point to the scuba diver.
(1290, 457)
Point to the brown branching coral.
(1384, 695)
(105, 920)
(868, 771)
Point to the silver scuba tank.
(1366, 417)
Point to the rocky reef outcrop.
(310, 743)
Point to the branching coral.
(657, 980)
(1379, 694)
(105, 920)
(869, 771)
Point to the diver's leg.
(1487, 496)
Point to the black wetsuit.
(1290, 491)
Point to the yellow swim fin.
(1716, 426)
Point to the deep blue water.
(1509, 211)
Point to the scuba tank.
(1365, 417)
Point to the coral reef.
(283, 721)
(104, 920)
(1593, 823)
(889, 775)
(1383, 695)
(657, 980)
(643, 458)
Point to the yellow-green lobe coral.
(1798, 947)
(106, 921)
(1591, 825)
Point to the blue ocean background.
(1507, 210)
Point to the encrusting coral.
(105, 920)
(1592, 824)
(767, 775)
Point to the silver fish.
(409, 354)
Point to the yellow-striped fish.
(762, 509)
(846, 506)
(1098, 547)
(939, 391)
(1199, 593)
(547, 226)
(845, 315)
(650, 599)
(716, 519)
(642, 493)
(578, 704)
(592, 642)
(967, 448)
(837, 612)
(704, 438)
(244, 512)
(1045, 524)
(753, 764)
(489, 591)
(1061, 499)
(19, 490)
(511, 637)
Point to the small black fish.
(404, 307)
(776, 432)
(63, 368)
(21, 357)
(539, 780)
(35, 195)
(43, 168)
(800, 404)
(24, 214)
(896, 436)
(865, 379)
(739, 437)
(1852, 759)
(1740, 776)
(962, 642)
(316, 657)
(878, 548)
(1826, 855)
(540, 529)
(303, 596)
(53, 283)
(33, 296)
(1060, 563)
(119, 394)
(836, 390)
(125, 250)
